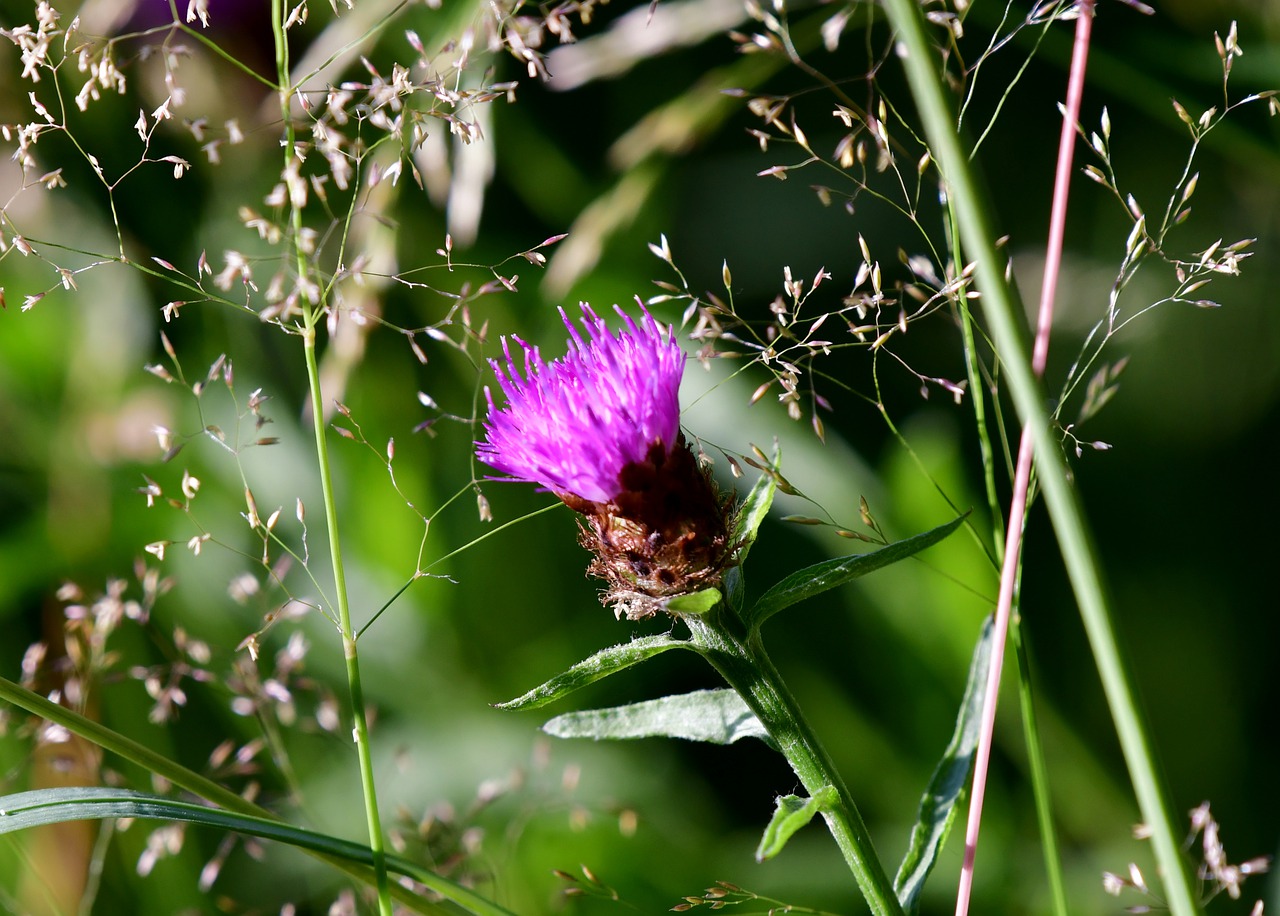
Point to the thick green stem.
(745, 665)
(1065, 511)
(355, 690)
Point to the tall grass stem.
(311, 315)
(1066, 513)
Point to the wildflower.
(600, 428)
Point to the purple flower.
(573, 425)
(600, 428)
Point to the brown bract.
(665, 534)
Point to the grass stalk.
(1030, 724)
(311, 315)
(1039, 771)
(1066, 513)
(351, 657)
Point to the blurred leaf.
(792, 813)
(589, 670)
(38, 808)
(746, 524)
(156, 763)
(698, 602)
(938, 805)
(820, 577)
(715, 716)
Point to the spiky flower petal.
(573, 424)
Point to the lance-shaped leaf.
(821, 577)
(792, 813)
(589, 670)
(716, 716)
(746, 524)
(938, 805)
(54, 806)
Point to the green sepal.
(589, 670)
(820, 577)
(938, 804)
(698, 602)
(714, 716)
(746, 525)
(40, 807)
(792, 813)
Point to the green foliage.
(600, 665)
(43, 807)
(821, 577)
(746, 526)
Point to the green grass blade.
(820, 577)
(40, 807)
(1039, 771)
(938, 804)
(188, 780)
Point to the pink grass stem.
(1022, 471)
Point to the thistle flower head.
(572, 425)
(600, 428)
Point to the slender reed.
(1074, 538)
(1022, 473)
(311, 313)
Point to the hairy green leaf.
(716, 716)
(54, 806)
(589, 670)
(938, 805)
(791, 814)
(820, 577)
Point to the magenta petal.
(573, 424)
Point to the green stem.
(1039, 771)
(1030, 720)
(350, 655)
(1066, 513)
(311, 314)
(745, 665)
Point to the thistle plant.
(599, 429)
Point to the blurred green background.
(1183, 505)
